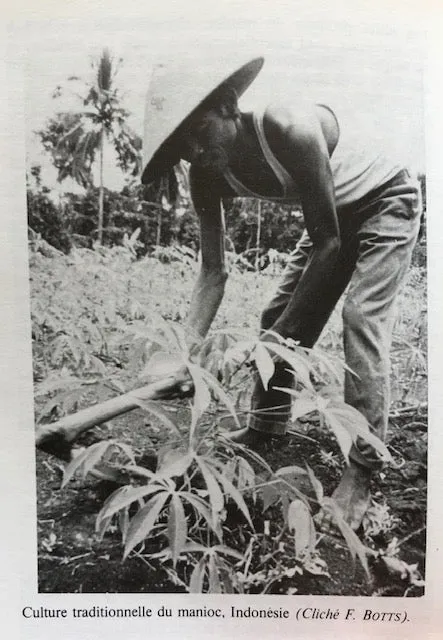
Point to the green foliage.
(74, 220)
(74, 139)
(72, 151)
(183, 505)
(281, 226)
(93, 314)
(44, 217)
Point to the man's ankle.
(271, 428)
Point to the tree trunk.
(159, 227)
(101, 191)
(257, 243)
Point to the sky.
(372, 67)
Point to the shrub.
(44, 217)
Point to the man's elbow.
(333, 246)
(328, 245)
(328, 249)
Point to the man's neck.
(247, 162)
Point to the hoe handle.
(57, 437)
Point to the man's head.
(192, 113)
(208, 137)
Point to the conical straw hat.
(176, 90)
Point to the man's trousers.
(378, 234)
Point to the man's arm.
(209, 288)
(297, 140)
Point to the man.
(361, 213)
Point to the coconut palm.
(75, 139)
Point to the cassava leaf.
(302, 407)
(300, 522)
(202, 397)
(355, 546)
(121, 499)
(143, 522)
(214, 578)
(139, 471)
(270, 494)
(180, 338)
(264, 363)
(245, 475)
(202, 510)
(85, 460)
(292, 470)
(221, 394)
(216, 498)
(343, 436)
(197, 576)
(356, 424)
(102, 526)
(102, 522)
(126, 449)
(162, 364)
(175, 463)
(316, 484)
(123, 523)
(233, 493)
(96, 454)
(177, 527)
(330, 364)
(297, 361)
(227, 551)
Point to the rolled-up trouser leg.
(386, 240)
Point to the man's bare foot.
(352, 497)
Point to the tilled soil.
(72, 559)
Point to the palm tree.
(75, 138)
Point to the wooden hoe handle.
(57, 438)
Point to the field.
(93, 313)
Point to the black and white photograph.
(226, 218)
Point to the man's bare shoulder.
(298, 120)
(294, 130)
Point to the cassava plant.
(185, 511)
